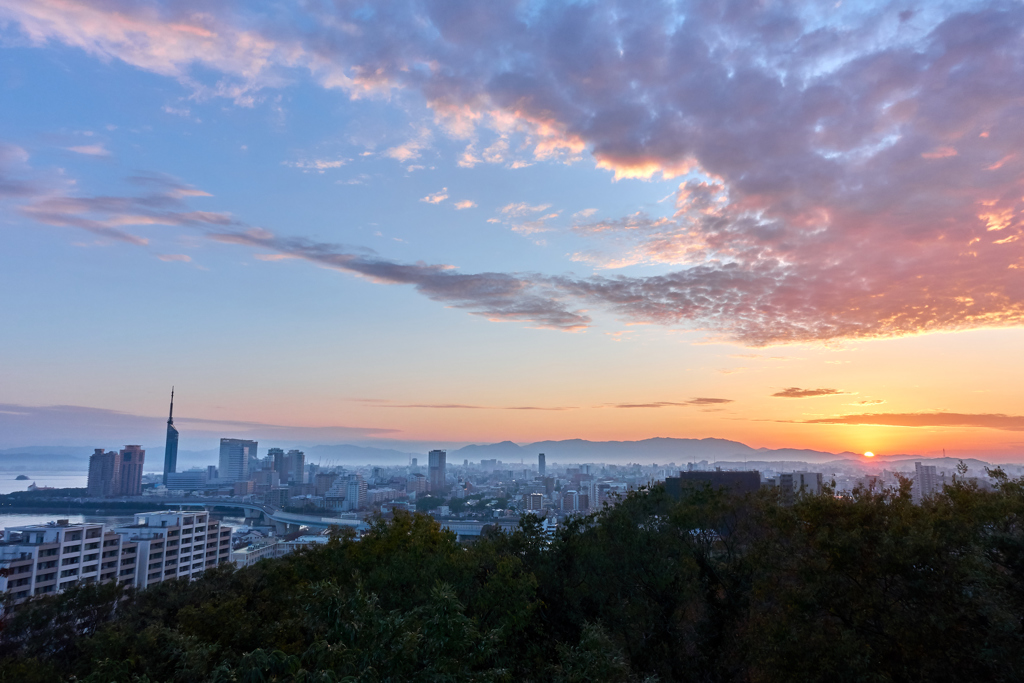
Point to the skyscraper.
(436, 469)
(542, 466)
(130, 462)
(234, 459)
(277, 457)
(296, 464)
(103, 474)
(171, 447)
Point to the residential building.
(234, 459)
(355, 493)
(40, 559)
(436, 470)
(103, 474)
(171, 443)
(322, 483)
(130, 461)
(416, 483)
(927, 482)
(570, 501)
(175, 545)
(533, 501)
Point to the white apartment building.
(39, 559)
(175, 545)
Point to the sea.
(9, 482)
(62, 480)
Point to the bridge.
(283, 522)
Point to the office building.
(570, 501)
(130, 462)
(542, 465)
(234, 459)
(276, 456)
(103, 474)
(436, 470)
(171, 444)
(295, 464)
(195, 479)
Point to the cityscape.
(488, 341)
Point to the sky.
(789, 224)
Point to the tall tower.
(542, 465)
(171, 447)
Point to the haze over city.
(421, 225)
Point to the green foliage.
(709, 588)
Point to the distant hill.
(659, 450)
(345, 454)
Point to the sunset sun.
(869, 454)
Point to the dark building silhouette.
(103, 474)
(542, 465)
(735, 482)
(130, 462)
(171, 447)
(436, 467)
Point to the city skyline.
(792, 227)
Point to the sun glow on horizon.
(869, 454)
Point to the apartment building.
(175, 545)
(39, 559)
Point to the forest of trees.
(710, 588)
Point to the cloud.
(90, 150)
(437, 197)
(1012, 423)
(464, 204)
(796, 392)
(72, 425)
(175, 257)
(869, 402)
(822, 197)
(377, 403)
(520, 209)
(318, 165)
(668, 404)
(499, 297)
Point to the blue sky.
(420, 220)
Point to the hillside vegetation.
(710, 588)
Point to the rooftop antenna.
(170, 416)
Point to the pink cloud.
(847, 176)
(90, 150)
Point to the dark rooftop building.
(736, 482)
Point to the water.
(55, 479)
(25, 518)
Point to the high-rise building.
(171, 445)
(542, 465)
(103, 474)
(276, 456)
(234, 459)
(926, 482)
(355, 493)
(570, 501)
(436, 466)
(296, 464)
(130, 462)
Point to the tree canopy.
(706, 588)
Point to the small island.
(21, 477)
